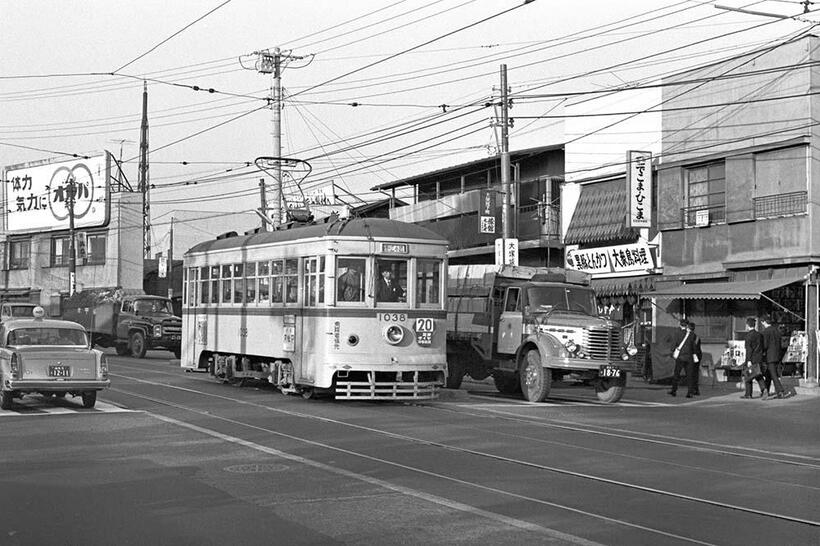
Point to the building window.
(95, 249)
(19, 254)
(706, 194)
(59, 251)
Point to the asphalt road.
(170, 457)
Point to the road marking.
(29, 406)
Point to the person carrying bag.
(754, 358)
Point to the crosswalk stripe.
(28, 408)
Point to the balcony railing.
(784, 204)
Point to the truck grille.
(603, 343)
(171, 327)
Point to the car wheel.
(89, 399)
(536, 380)
(6, 398)
(138, 345)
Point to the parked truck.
(131, 323)
(527, 327)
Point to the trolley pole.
(505, 166)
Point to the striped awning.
(739, 290)
(623, 286)
(600, 216)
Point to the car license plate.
(59, 371)
(610, 371)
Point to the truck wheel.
(6, 398)
(610, 391)
(177, 353)
(507, 383)
(122, 349)
(89, 399)
(455, 374)
(137, 345)
(535, 379)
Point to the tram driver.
(387, 288)
(349, 286)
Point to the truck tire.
(177, 353)
(6, 399)
(137, 344)
(610, 391)
(507, 383)
(89, 399)
(536, 380)
(122, 349)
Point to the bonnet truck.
(131, 323)
(529, 326)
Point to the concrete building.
(739, 199)
(36, 227)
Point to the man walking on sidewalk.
(771, 349)
(753, 368)
(684, 355)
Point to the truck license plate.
(59, 371)
(610, 371)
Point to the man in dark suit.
(771, 349)
(754, 355)
(697, 358)
(684, 354)
(387, 289)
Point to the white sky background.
(550, 47)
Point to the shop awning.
(739, 290)
(623, 286)
(599, 216)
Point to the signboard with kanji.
(38, 195)
(639, 186)
(486, 213)
(611, 259)
(506, 252)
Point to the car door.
(510, 322)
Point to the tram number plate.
(610, 371)
(424, 330)
(59, 371)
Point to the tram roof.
(356, 227)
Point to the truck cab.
(527, 327)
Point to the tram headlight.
(352, 340)
(394, 334)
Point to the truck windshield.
(563, 298)
(153, 307)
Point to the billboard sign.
(38, 195)
(506, 252)
(639, 182)
(486, 216)
(635, 257)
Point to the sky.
(374, 91)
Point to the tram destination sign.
(395, 248)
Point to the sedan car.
(51, 357)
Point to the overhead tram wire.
(180, 31)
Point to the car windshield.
(565, 298)
(153, 307)
(47, 336)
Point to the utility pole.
(143, 176)
(71, 197)
(507, 246)
(274, 63)
(171, 262)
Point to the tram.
(353, 308)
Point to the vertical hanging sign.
(486, 213)
(639, 188)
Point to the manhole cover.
(255, 468)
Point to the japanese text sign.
(611, 259)
(639, 186)
(486, 213)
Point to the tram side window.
(428, 281)
(284, 281)
(227, 284)
(263, 272)
(191, 287)
(238, 283)
(250, 282)
(391, 280)
(204, 284)
(350, 279)
(315, 280)
(214, 284)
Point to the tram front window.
(391, 280)
(350, 281)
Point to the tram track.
(732, 508)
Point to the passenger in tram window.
(387, 288)
(350, 284)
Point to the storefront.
(720, 309)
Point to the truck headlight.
(571, 346)
(157, 330)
